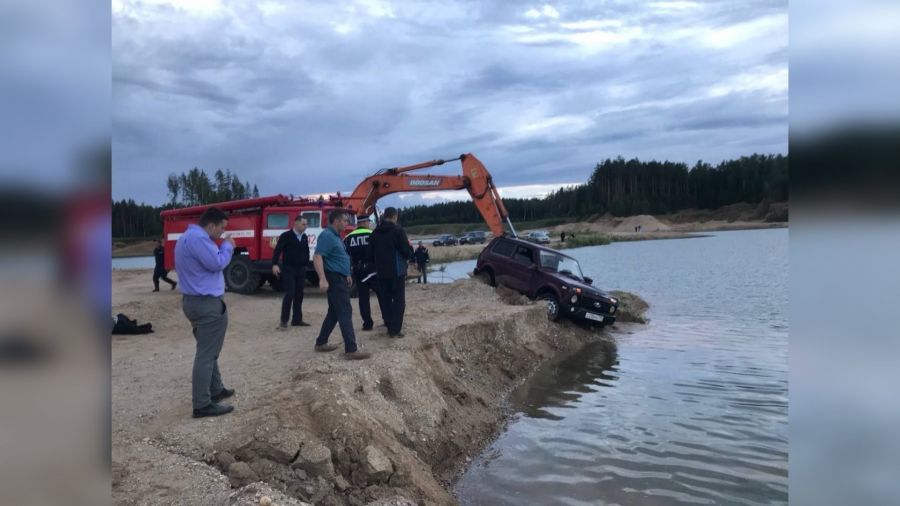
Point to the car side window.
(503, 248)
(524, 255)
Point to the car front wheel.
(553, 309)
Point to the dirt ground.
(312, 427)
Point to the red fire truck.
(256, 224)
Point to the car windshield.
(561, 264)
(541, 234)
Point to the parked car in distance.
(538, 236)
(542, 273)
(477, 237)
(445, 240)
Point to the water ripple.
(692, 409)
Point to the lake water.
(147, 262)
(693, 407)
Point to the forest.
(192, 188)
(617, 186)
(630, 187)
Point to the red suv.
(545, 274)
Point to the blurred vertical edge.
(845, 252)
(55, 189)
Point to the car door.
(500, 259)
(521, 268)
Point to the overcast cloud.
(306, 97)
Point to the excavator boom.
(475, 179)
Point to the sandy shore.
(311, 427)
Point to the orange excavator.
(475, 179)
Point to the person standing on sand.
(562, 237)
(357, 244)
(422, 258)
(199, 264)
(332, 264)
(391, 252)
(289, 262)
(160, 272)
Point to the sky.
(309, 97)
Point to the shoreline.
(310, 426)
(137, 248)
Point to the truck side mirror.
(588, 280)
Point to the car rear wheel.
(553, 310)
(487, 277)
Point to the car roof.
(533, 245)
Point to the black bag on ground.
(125, 325)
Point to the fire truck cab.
(255, 225)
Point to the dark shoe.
(282, 326)
(300, 324)
(368, 327)
(357, 355)
(326, 347)
(174, 285)
(156, 289)
(398, 335)
(224, 394)
(213, 409)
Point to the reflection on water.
(691, 409)
(561, 383)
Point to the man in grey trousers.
(199, 263)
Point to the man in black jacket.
(422, 258)
(160, 272)
(390, 251)
(293, 245)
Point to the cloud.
(309, 97)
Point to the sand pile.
(645, 221)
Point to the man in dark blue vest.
(293, 246)
(357, 243)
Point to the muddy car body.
(542, 273)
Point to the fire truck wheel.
(240, 278)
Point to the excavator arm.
(475, 179)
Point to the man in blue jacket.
(199, 263)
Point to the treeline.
(192, 188)
(196, 188)
(629, 187)
(130, 219)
